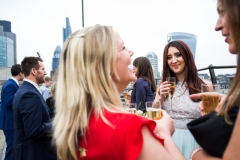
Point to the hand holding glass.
(172, 82)
(210, 97)
(154, 110)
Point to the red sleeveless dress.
(121, 141)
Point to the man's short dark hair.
(16, 69)
(28, 63)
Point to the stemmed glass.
(172, 82)
(131, 107)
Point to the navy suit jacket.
(9, 89)
(32, 126)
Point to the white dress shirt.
(14, 80)
(33, 83)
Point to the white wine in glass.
(172, 89)
(172, 82)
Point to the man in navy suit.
(9, 89)
(32, 125)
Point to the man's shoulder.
(25, 92)
(9, 83)
(26, 88)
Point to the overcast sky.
(142, 24)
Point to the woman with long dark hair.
(178, 62)
(145, 87)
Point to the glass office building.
(154, 61)
(189, 39)
(56, 54)
(67, 31)
(56, 57)
(8, 55)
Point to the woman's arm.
(203, 155)
(233, 149)
(153, 149)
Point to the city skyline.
(56, 55)
(141, 31)
(8, 55)
(55, 59)
(153, 58)
(67, 31)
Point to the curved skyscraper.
(189, 39)
(56, 56)
(154, 61)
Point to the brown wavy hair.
(145, 71)
(191, 73)
(232, 9)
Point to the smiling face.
(223, 25)
(125, 74)
(175, 61)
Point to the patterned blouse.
(183, 108)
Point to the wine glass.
(131, 107)
(172, 82)
(154, 110)
(210, 97)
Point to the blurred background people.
(90, 123)
(144, 88)
(32, 124)
(178, 62)
(51, 101)
(9, 89)
(229, 24)
(44, 89)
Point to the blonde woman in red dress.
(90, 121)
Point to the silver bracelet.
(195, 151)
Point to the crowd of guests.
(83, 117)
(25, 116)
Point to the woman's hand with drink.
(199, 97)
(165, 126)
(164, 89)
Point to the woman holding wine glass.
(178, 62)
(92, 124)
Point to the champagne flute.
(172, 82)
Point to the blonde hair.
(84, 85)
(232, 8)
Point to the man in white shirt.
(44, 89)
(31, 118)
